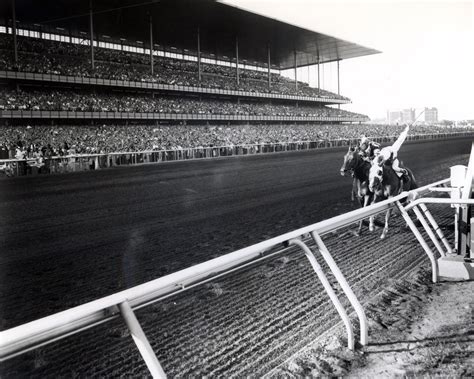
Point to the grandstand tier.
(210, 71)
(80, 101)
(176, 25)
(41, 56)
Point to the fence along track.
(86, 162)
(37, 333)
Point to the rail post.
(141, 341)
(329, 290)
(421, 240)
(436, 227)
(430, 233)
(345, 287)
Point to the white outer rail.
(33, 334)
(418, 204)
(329, 290)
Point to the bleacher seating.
(53, 57)
(83, 101)
(47, 140)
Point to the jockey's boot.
(402, 174)
(404, 178)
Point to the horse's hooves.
(382, 237)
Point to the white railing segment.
(28, 336)
(465, 195)
(364, 329)
(329, 290)
(141, 341)
(418, 204)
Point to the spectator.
(83, 139)
(54, 57)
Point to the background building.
(431, 115)
(405, 116)
(394, 117)
(408, 115)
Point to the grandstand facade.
(176, 66)
(96, 77)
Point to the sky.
(427, 47)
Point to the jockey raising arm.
(368, 148)
(391, 152)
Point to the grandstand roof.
(175, 24)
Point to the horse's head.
(375, 176)
(350, 160)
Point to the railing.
(160, 87)
(86, 162)
(29, 336)
(38, 114)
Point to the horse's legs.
(354, 187)
(385, 229)
(366, 202)
(371, 218)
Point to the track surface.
(73, 238)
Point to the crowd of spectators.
(46, 141)
(54, 57)
(67, 100)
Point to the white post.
(429, 231)
(327, 286)
(466, 194)
(437, 229)
(345, 287)
(421, 240)
(141, 341)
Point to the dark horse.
(359, 168)
(385, 183)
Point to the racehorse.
(385, 183)
(359, 168)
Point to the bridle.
(352, 169)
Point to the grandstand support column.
(91, 27)
(318, 78)
(199, 54)
(269, 67)
(15, 47)
(338, 86)
(151, 44)
(237, 60)
(296, 72)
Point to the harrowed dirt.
(74, 238)
(417, 329)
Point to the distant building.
(431, 115)
(405, 116)
(394, 117)
(408, 116)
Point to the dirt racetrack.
(73, 238)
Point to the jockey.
(368, 148)
(391, 152)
